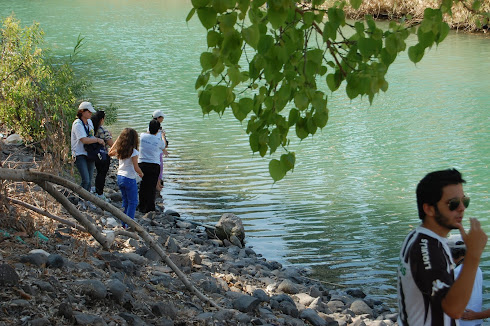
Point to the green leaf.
(190, 14)
(288, 160)
(219, 95)
(369, 47)
(355, 3)
(251, 35)
(301, 100)
(208, 60)
(277, 17)
(301, 130)
(254, 141)
(202, 80)
(207, 16)
(214, 38)
(293, 117)
(200, 3)
(220, 6)
(443, 33)
(276, 170)
(333, 81)
(321, 117)
(274, 140)
(415, 53)
(308, 18)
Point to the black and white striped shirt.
(425, 274)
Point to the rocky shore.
(58, 275)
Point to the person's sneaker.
(92, 189)
(103, 197)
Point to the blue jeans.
(129, 191)
(86, 170)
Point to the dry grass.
(462, 18)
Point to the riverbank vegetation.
(465, 16)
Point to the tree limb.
(44, 180)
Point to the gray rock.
(117, 289)
(359, 307)
(36, 259)
(229, 224)
(133, 319)
(312, 317)
(261, 295)
(335, 305)
(287, 286)
(55, 261)
(356, 293)
(171, 245)
(195, 257)
(93, 288)
(246, 303)
(86, 319)
(164, 309)
(8, 275)
(65, 310)
(289, 308)
(115, 196)
(304, 299)
(40, 322)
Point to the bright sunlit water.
(351, 199)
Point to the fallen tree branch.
(47, 214)
(44, 180)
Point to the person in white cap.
(473, 314)
(159, 116)
(82, 132)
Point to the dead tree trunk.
(46, 180)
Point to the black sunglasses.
(453, 204)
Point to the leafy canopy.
(289, 46)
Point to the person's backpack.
(95, 151)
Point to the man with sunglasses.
(428, 294)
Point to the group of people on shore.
(138, 157)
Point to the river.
(350, 201)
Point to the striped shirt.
(425, 274)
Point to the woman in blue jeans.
(125, 148)
(82, 132)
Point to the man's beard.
(443, 220)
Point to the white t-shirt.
(126, 167)
(476, 298)
(78, 132)
(150, 148)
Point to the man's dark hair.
(429, 189)
(153, 127)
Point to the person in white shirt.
(151, 145)
(473, 314)
(82, 132)
(125, 148)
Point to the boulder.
(228, 227)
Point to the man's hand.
(475, 240)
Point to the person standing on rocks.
(82, 132)
(428, 294)
(473, 313)
(102, 166)
(159, 116)
(149, 161)
(125, 148)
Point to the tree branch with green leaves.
(266, 59)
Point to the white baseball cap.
(157, 114)
(455, 241)
(86, 106)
